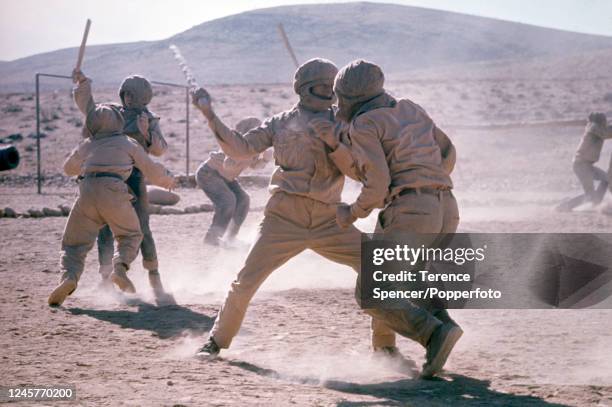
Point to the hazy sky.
(32, 26)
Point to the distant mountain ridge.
(246, 48)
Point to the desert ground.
(304, 341)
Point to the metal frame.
(38, 150)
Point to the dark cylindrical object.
(9, 158)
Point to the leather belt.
(102, 175)
(423, 190)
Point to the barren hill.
(245, 48)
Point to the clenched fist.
(78, 76)
(143, 125)
(202, 100)
(325, 130)
(344, 217)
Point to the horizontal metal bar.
(175, 85)
(50, 75)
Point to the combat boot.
(156, 284)
(209, 350)
(105, 283)
(63, 290)
(439, 347)
(161, 296)
(444, 317)
(120, 278)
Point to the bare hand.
(325, 130)
(202, 100)
(143, 125)
(78, 76)
(344, 217)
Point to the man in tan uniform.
(141, 125)
(103, 162)
(217, 177)
(395, 147)
(587, 154)
(305, 187)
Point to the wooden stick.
(283, 35)
(83, 44)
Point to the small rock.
(154, 209)
(169, 383)
(171, 211)
(25, 215)
(192, 209)
(35, 213)
(9, 212)
(15, 137)
(52, 212)
(206, 208)
(65, 209)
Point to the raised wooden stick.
(83, 44)
(283, 35)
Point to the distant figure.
(588, 153)
(217, 177)
(103, 162)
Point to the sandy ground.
(304, 342)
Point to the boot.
(161, 296)
(439, 347)
(63, 290)
(209, 350)
(156, 284)
(120, 278)
(105, 283)
(444, 317)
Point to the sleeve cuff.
(358, 212)
(340, 150)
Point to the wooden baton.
(83, 44)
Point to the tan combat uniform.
(300, 215)
(228, 167)
(217, 177)
(155, 144)
(306, 188)
(397, 150)
(104, 162)
(587, 154)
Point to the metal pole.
(39, 180)
(38, 152)
(187, 131)
(38, 146)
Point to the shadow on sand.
(166, 322)
(453, 390)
